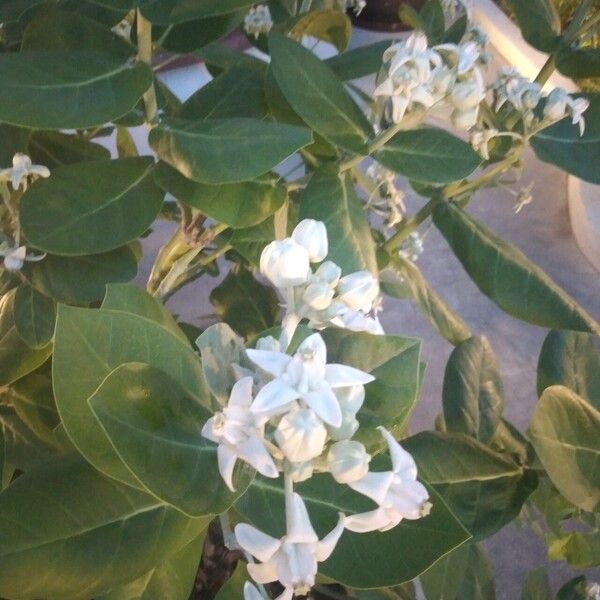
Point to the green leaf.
(155, 426)
(234, 586)
(563, 146)
(219, 57)
(237, 205)
(473, 394)
(34, 316)
(478, 583)
(239, 92)
(360, 560)
(539, 22)
(409, 282)
(174, 578)
(358, 62)
(88, 345)
(455, 33)
(226, 150)
(570, 359)
(443, 580)
(126, 147)
(484, 489)
(331, 26)
(429, 155)
(507, 276)
(394, 362)
(76, 90)
(251, 241)
(14, 139)
(65, 215)
(80, 279)
(54, 149)
(131, 299)
(17, 358)
(330, 197)
(565, 432)
(537, 586)
(81, 533)
(246, 305)
(315, 93)
(580, 550)
(433, 20)
(575, 589)
(579, 63)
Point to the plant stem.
(547, 70)
(144, 39)
(407, 227)
(289, 498)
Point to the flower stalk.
(144, 39)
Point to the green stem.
(547, 70)
(173, 250)
(407, 227)
(144, 39)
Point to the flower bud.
(318, 296)
(312, 235)
(268, 343)
(329, 272)
(556, 105)
(467, 95)
(15, 260)
(358, 290)
(348, 461)
(465, 119)
(301, 435)
(347, 429)
(285, 263)
(351, 398)
(301, 471)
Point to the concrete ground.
(542, 231)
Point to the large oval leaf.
(236, 204)
(81, 533)
(155, 426)
(35, 315)
(81, 279)
(54, 149)
(68, 90)
(429, 156)
(359, 62)
(315, 93)
(565, 432)
(360, 560)
(89, 344)
(226, 150)
(507, 276)
(539, 22)
(330, 197)
(66, 215)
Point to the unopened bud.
(348, 461)
(312, 235)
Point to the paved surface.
(542, 231)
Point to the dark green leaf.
(455, 33)
(81, 279)
(579, 63)
(565, 432)
(330, 197)
(539, 22)
(575, 589)
(478, 583)
(14, 140)
(433, 20)
(34, 316)
(507, 276)
(250, 241)
(331, 26)
(54, 149)
(315, 93)
(444, 579)
(226, 150)
(473, 394)
(358, 62)
(85, 543)
(429, 155)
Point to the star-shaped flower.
(22, 169)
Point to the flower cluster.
(322, 295)
(296, 414)
(386, 200)
(258, 21)
(417, 78)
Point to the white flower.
(358, 290)
(238, 435)
(398, 493)
(258, 20)
(292, 560)
(301, 435)
(22, 169)
(412, 247)
(285, 263)
(357, 320)
(350, 399)
(318, 295)
(576, 109)
(251, 593)
(268, 343)
(462, 58)
(328, 272)
(348, 461)
(312, 235)
(301, 471)
(306, 377)
(480, 140)
(15, 257)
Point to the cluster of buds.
(296, 414)
(417, 78)
(321, 295)
(258, 21)
(386, 201)
(525, 96)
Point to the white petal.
(300, 529)
(273, 398)
(374, 485)
(385, 88)
(402, 461)
(344, 376)
(368, 521)
(408, 499)
(314, 344)
(255, 454)
(241, 393)
(269, 361)
(251, 593)
(327, 545)
(265, 573)
(227, 458)
(257, 543)
(326, 405)
(207, 431)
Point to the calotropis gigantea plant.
(126, 432)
